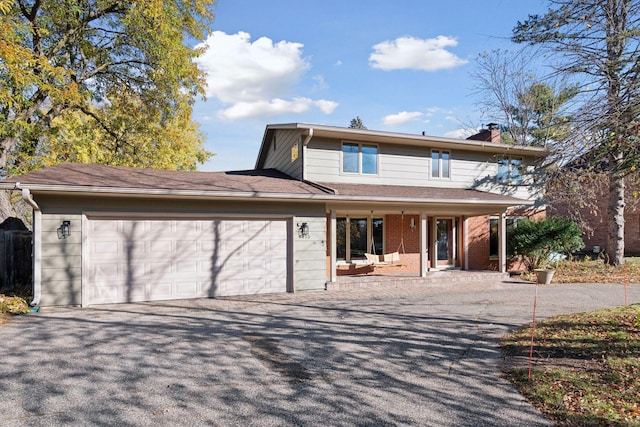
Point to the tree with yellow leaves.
(101, 81)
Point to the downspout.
(304, 153)
(37, 244)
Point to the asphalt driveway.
(425, 355)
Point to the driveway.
(424, 355)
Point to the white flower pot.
(544, 275)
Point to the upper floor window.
(359, 158)
(440, 164)
(510, 170)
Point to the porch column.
(502, 243)
(434, 243)
(333, 262)
(423, 244)
(465, 241)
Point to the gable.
(282, 150)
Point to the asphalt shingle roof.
(92, 176)
(414, 192)
(89, 177)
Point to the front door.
(445, 241)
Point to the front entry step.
(433, 277)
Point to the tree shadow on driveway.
(405, 359)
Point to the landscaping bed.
(586, 367)
(11, 305)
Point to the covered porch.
(411, 235)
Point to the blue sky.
(401, 65)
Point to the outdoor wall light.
(64, 230)
(412, 224)
(303, 230)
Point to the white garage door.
(152, 259)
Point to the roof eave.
(465, 201)
(410, 139)
(154, 192)
(253, 195)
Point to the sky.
(400, 65)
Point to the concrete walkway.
(420, 355)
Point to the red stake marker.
(533, 328)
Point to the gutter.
(328, 195)
(308, 138)
(37, 245)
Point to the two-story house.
(319, 200)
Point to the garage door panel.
(136, 293)
(160, 290)
(186, 267)
(158, 247)
(108, 247)
(104, 295)
(151, 259)
(184, 246)
(231, 287)
(256, 248)
(209, 246)
(185, 287)
(160, 226)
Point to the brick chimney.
(490, 134)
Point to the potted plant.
(540, 244)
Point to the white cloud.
(248, 76)
(401, 118)
(274, 107)
(325, 106)
(461, 133)
(416, 54)
(431, 111)
(320, 84)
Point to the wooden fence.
(16, 271)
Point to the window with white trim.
(494, 221)
(357, 236)
(440, 164)
(359, 158)
(510, 170)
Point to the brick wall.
(597, 220)
(478, 238)
(478, 235)
(398, 230)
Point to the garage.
(151, 259)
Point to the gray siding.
(309, 265)
(411, 166)
(62, 262)
(279, 153)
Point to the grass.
(586, 369)
(596, 271)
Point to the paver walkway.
(423, 355)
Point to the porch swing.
(388, 259)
